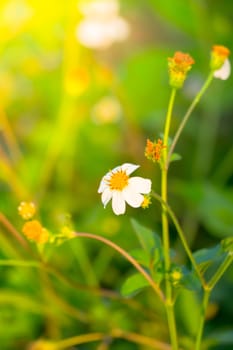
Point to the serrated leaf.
(133, 285)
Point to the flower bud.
(178, 67)
(219, 54)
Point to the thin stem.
(9, 135)
(79, 339)
(126, 256)
(115, 333)
(182, 237)
(220, 271)
(202, 320)
(165, 227)
(12, 230)
(207, 290)
(188, 113)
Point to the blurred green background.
(74, 106)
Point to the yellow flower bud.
(34, 231)
(178, 67)
(219, 54)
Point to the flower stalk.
(188, 113)
(165, 228)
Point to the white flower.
(224, 72)
(118, 186)
(102, 25)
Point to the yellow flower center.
(119, 180)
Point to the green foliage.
(208, 256)
(58, 137)
(133, 285)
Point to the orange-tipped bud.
(219, 54)
(178, 66)
(153, 150)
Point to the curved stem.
(182, 237)
(188, 113)
(165, 227)
(115, 333)
(126, 256)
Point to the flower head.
(27, 210)
(118, 186)
(219, 62)
(153, 150)
(34, 231)
(146, 201)
(219, 54)
(178, 66)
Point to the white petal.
(140, 185)
(129, 168)
(115, 170)
(104, 182)
(106, 196)
(224, 72)
(103, 186)
(134, 199)
(118, 203)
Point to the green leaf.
(146, 237)
(190, 280)
(207, 256)
(142, 257)
(175, 157)
(133, 285)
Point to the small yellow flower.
(176, 275)
(219, 54)
(27, 210)
(146, 202)
(34, 231)
(153, 150)
(178, 67)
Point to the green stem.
(188, 113)
(202, 321)
(165, 228)
(220, 271)
(207, 290)
(182, 237)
